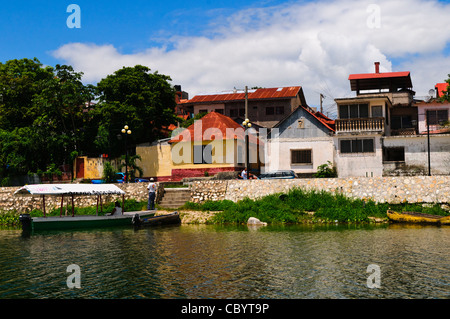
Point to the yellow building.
(211, 145)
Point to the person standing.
(151, 195)
(244, 173)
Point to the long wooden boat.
(167, 219)
(417, 218)
(30, 223)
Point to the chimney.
(377, 67)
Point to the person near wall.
(151, 194)
(244, 173)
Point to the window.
(202, 154)
(357, 146)
(274, 110)
(436, 117)
(377, 111)
(394, 154)
(353, 111)
(220, 111)
(403, 121)
(301, 156)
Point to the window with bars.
(301, 156)
(357, 146)
(436, 117)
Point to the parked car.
(120, 177)
(278, 175)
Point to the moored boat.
(120, 218)
(417, 218)
(167, 219)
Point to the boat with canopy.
(120, 218)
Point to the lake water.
(205, 261)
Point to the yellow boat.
(417, 218)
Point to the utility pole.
(321, 103)
(428, 139)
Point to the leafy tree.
(109, 173)
(136, 97)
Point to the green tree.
(136, 97)
(42, 116)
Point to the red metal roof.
(378, 75)
(387, 80)
(441, 87)
(255, 94)
(218, 125)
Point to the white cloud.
(316, 45)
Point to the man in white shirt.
(151, 195)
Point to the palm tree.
(132, 166)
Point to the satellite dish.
(431, 92)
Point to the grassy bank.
(299, 206)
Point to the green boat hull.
(83, 222)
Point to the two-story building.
(378, 132)
(265, 106)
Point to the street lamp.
(127, 132)
(246, 124)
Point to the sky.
(216, 45)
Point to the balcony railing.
(374, 124)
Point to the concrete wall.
(278, 154)
(359, 164)
(416, 151)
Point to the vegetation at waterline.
(300, 206)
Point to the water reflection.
(199, 261)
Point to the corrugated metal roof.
(255, 94)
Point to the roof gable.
(213, 126)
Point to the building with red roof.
(266, 106)
(215, 143)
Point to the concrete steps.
(175, 197)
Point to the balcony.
(373, 124)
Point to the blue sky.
(215, 45)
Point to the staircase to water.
(175, 197)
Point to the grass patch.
(296, 207)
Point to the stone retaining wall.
(9, 202)
(412, 189)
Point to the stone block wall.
(412, 189)
(10, 202)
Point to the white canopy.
(69, 189)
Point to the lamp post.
(246, 124)
(127, 132)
